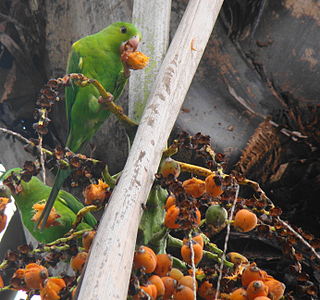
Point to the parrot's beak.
(130, 45)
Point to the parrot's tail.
(59, 180)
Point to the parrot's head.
(125, 36)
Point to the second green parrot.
(97, 56)
(66, 207)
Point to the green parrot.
(97, 56)
(66, 206)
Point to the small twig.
(193, 268)
(68, 238)
(300, 237)
(171, 150)
(44, 150)
(17, 135)
(200, 171)
(42, 159)
(226, 241)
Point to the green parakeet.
(66, 207)
(97, 56)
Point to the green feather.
(96, 56)
(66, 206)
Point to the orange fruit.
(164, 264)
(206, 291)
(169, 167)
(96, 193)
(3, 221)
(156, 280)
(175, 274)
(252, 273)
(239, 294)
(197, 238)
(245, 220)
(134, 60)
(51, 288)
(171, 200)
(188, 281)
(183, 293)
(171, 217)
(17, 280)
(194, 187)
(213, 186)
(276, 288)
(34, 275)
(186, 252)
(87, 239)
(256, 288)
(77, 262)
(169, 284)
(145, 258)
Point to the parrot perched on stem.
(96, 56)
(66, 206)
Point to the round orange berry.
(256, 288)
(156, 280)
(169, 284)
(171, 217)
(77, 262)
(238, 294)
(34, 275)
(194, 187)
(206, 291)
(171, 200)
(175, 274)
(3, 221)
(188, 281)
(187, 255)
(164, 264)
(276, 288)
(245, 220)
(145, 258)
(197, 238)
(183, 293)
(87, 239)
(213, 186)
(51, 288)
(252, 273)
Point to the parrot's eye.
(123, 29)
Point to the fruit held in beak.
(134, 60)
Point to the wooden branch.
(109, 265)
(153, 19)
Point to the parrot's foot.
(107, 100)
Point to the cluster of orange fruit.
(258, 285)
(244, 220)
(165, 282)
(35, 276)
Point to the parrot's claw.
(105, 100)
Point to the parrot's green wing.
(66, 206)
